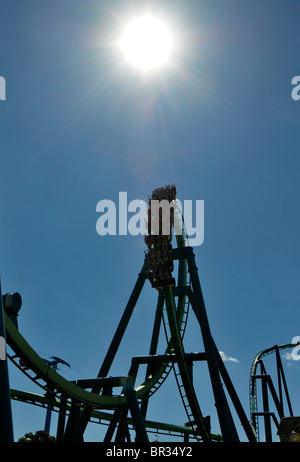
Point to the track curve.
(252, 383)
(38, 370)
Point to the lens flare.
(146, 43)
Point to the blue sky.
(79, 125)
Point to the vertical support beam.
(157, 323)
(183, 369)
(48, 419)
(228, 429)
(48, 413)
(6, 422)
(235, 399)
(278, 363)
(138, 421)
(190, 369)
(281, 374)
(61, 419)
(122, 431)
(112, 426)
(153, 345)
(72, 420)
(267, 418)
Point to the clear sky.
(80, 125)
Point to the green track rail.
(183, 368)
(101, 417)
(49, 379)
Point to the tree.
(41, 436)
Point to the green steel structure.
(258, 373)
(98, 399)
(6, 423)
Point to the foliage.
(41, 436)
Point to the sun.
(146, 43)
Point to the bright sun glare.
(146, 43)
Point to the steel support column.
(139, 423)
(153, 347)
(61, 419)
(281, 376)
(267, 418)
(228, 429)
(6, 421)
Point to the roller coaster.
(96, 400)
(279, 397)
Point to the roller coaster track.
(252, 382)
(176, 321)
(39, 371)
(103, 418)
(182, 309)
(86, 399)
(183, 304)
(185, 386)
